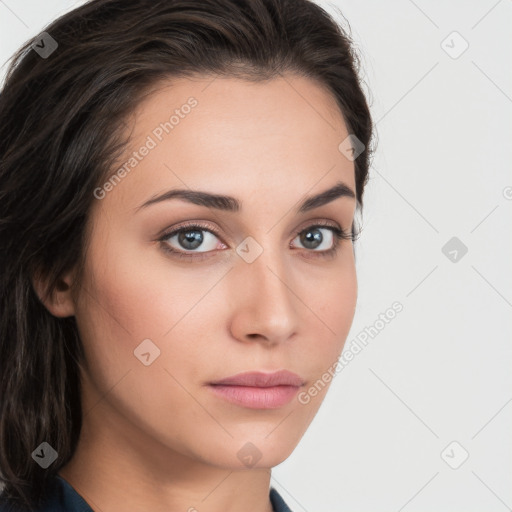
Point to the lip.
(262, 379)
(258, 390)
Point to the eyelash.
(339, 234)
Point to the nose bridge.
(266, 294)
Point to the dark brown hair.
(60, 119)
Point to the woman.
(179, 181)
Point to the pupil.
(307, 238)
(193, 237)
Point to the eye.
(183, 242)
(190, 238)
(313, 238)
(322, 245)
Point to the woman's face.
(253, 294)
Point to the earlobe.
(60, 302)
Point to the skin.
(155, 437)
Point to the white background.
(441, 370)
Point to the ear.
(61, 302)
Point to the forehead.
(229, 135)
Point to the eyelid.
(207, 227)
(189, 224)
(317, 222)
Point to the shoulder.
(61, 498)
(278, 504)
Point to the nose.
(264, 301)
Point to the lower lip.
(256, 397)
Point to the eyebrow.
(231, 204)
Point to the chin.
(251, 452)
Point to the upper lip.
(262, 379)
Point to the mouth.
(258, 390)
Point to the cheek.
(327, 330)
(133, 295)
(126, 303)
(333, 304)
(343, 305)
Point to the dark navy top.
(63, 498)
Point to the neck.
(116, 467)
